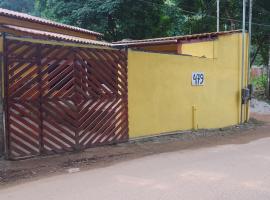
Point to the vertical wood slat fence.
(62, 98)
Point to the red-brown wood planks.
(64, 98)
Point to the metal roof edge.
(179, 38)
(27, 17)
(43, 35)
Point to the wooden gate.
(63, 98)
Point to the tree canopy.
(122, 19)
(117, 19)
(26, 6)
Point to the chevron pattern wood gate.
(62, 98)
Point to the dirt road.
(235, 169)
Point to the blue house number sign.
(197, 78)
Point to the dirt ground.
(259, 106)
(15, 172)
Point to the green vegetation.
(260, 82)
(120, 19)
(117, 19)
(260, 86)
(26, 6)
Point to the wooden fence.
(63, 98)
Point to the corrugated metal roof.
(172, 39)
(23, 16)
(56, 36)
(144, 42)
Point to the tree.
(261, 36)
(26, 6)
(117, 19)
(200, 16)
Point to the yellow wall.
(197, 48)
(161, 97)
(200, 49)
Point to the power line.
(191, 12)
(224, 18)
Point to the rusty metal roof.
(49, 35)
(171, 40)
(23, 16)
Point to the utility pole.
(218, 15)
(243, 52)
(249, 39)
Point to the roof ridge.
(24, 16)
(57, 36)
(178, 37)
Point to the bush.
(260, 84)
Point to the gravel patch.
(260, 107)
